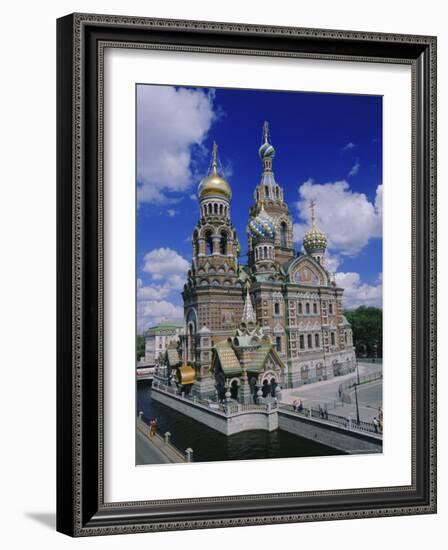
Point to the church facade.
(297, 306)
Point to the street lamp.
(375, 351)
(356, 388)
(357, 366)
(357, 406)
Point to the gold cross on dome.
(215, 155)
(266, 131)
(313, 215)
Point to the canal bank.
(233, 418)
(209, 445)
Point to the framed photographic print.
(246, 274)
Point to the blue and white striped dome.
(266, 151)
(262, 227)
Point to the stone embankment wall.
(336, 437)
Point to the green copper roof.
(165, 325)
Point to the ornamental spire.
(215, 158)
(266, 131)
(313, 214)
(248, 311)
(266, 151)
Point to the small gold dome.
(214, 184)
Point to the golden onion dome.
(214, 184)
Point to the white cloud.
(348, 146)
(171, 121)
(348, 218)
(152, 312)
(171, 212)
(168, 271)
(332, 262)
(193, 197)
(354, 169)
(164, 264)
(151, 292)
(357, 293)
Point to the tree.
(367, 327)
(140, 346)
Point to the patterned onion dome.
(214, 184)
(266, 151)
(315, 240)
(262, 227)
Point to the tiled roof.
(259, 357)
(227, 358)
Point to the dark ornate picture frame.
(81, 40)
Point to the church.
(273, 321)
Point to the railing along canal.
(225, 408)
(335, 419)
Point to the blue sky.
(328, 148)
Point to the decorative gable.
(307, 271)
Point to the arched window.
(278, 343)
(266, 191)
(310, 341)
(195, 243)
(215, 208)
(283, 229)
(300, 308)
(277, 308)
(223, 243)
(190, 343)
(316, 340)
(301, 342)
(265, 252)
(314, 308)
(330, 309)
(277, 194)
(208, 243)
(307, 307)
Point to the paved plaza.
(325, 394)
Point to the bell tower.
(269, 196)
(213, 299)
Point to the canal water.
(209, 445)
